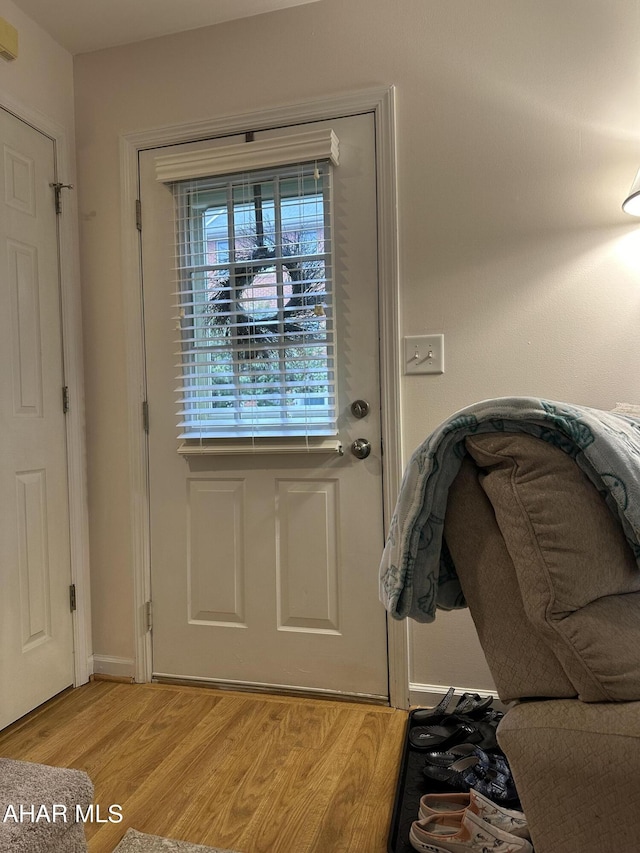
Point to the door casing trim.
(380, 101)
(74, 378)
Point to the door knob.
(361, 448)
(360, 408)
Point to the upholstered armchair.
(553, 587)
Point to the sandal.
(431, 714)
(472, 705)
(467, 766)
(480, 732)
(469, 705)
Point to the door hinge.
(72, 597)
(138, 214)
(65, 399)
(57, 189)
(145, 416)
(148, 615)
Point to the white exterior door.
(36, 639)
(264, 565)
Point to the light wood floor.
(258, 774)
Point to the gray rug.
(45, 788)
(140, 842)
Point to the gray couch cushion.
(490, 585)
(577, 576)
(577, 770)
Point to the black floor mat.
(411, 785)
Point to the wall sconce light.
(632, 202)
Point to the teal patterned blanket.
(416, 573)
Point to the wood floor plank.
(309, 725)
(373, 818)
(157, 806)
(247, 802)
(137, 749)
(39, 727)
(336, 830)
(306, 780)
(255, 773)
(62, 739)
(229, 797)
(120, 712)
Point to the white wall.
(518, 129)
(41, 78)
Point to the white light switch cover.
(424, 354)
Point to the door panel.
(264, 566)
(215, 587)
(36, 645)
(307, 564)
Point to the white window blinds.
(254, 303)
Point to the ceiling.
(85, 25)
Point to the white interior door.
(36, 640)
(264, 565)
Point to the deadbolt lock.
(360, 408)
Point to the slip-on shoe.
(509, 820)
(465, 834)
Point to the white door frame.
(73, 378)
(381, 102)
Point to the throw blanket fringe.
(416, 573)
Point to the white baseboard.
(117, 667)
(428, 695)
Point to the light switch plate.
(424, 354)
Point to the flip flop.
(454, 730)
(429, 737)
(481, 732)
